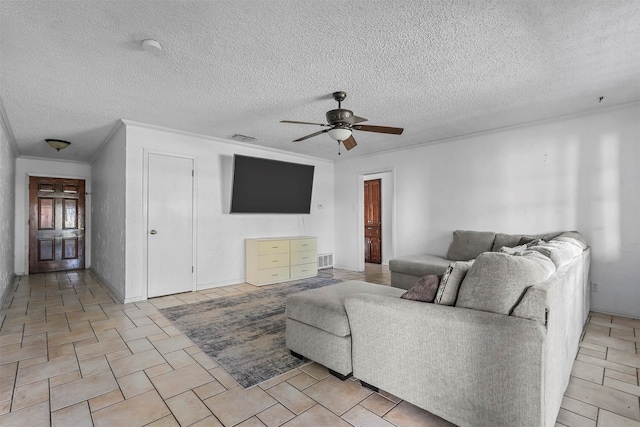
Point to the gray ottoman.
(318, 327)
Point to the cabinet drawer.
(303, 257)
(273, 261)
(273, 275)
(304, 270)
(302, 245)
(267, 247)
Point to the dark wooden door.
(56, 224)
(372, 221)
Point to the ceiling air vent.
(245, 138)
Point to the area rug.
(244, 334)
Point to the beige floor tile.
(408, 415)
(93, 366)
(337, 396)
(620, 376)
(209, 389)
(183, 379)
(168, 421)
(579, 407)
(8, 371)
(30, 394)
(624, 358)
(292, 398)
(188, 408)
(609, 419)
(604, 397)
(134, 384)
(278, 379)
(317, 371)
(251, 422)
(359, 416)
(77, 415)
(158, 370)
(83, 389)
(317, 416)
(64, 378)
(130, 334)
(588, 372)
(223, 377)
(135, 362)
(62, 351)
(377, 404)
(36, 415)
(179, 359)
(275, 415)
(571, 419)
(211, 421)
(46, 370)
(238, 404)
(105, 400)
(610, 342)
(23, 353)
(203, 359)
(137, 411)
(140, 345)
(100, 348)
(70, 336)
(607, 364)
(622, 386)
(302, 381)
(169, 345)
(118, 322)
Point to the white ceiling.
(71, 69)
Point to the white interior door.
(170, 225)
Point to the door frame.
(362, 175)
(144, 236)
(87, 216)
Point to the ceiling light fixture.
(58, 144)
(151, 46)
(340, 133)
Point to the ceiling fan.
(341, 123)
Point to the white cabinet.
(278, 259)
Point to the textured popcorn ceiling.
(71, 69)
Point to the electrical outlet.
(594, 287)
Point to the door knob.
(153, 232)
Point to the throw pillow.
(517, 250)
(424, 289)
(450, 282)
(497, 281)
(502, 239)
(468, 245)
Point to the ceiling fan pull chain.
(338, 148)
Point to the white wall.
(29, 166)
(7, 211)
(220, 253)
(108, 211)
(577, 173)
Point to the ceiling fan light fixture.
(339, 134)
(58, 144)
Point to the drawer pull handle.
(275, 260)
(275, 247)
(305, 257)
(304, 271)
(274, 275)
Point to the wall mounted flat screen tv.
(270, 186)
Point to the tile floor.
(70, 355)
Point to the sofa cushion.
(419, 265)
(497, 281)
(424, 289)
(559, 252)
(573, 235)
(323, 307)
(450, 282)
(508, 240)
(468, 244)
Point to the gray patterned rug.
(244, 334)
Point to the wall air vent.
(244, 138)
(325, 261)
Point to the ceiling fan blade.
(303, 123)
(354, 119)
(379, 129)
(349, 143)
(311, 135)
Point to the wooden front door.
(56, 224)
(372, 221)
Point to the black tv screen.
(270, 186)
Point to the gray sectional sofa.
(497, 347)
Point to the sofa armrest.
(467, 366)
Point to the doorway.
(56, 224)
(169, 225)
(372, 221)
